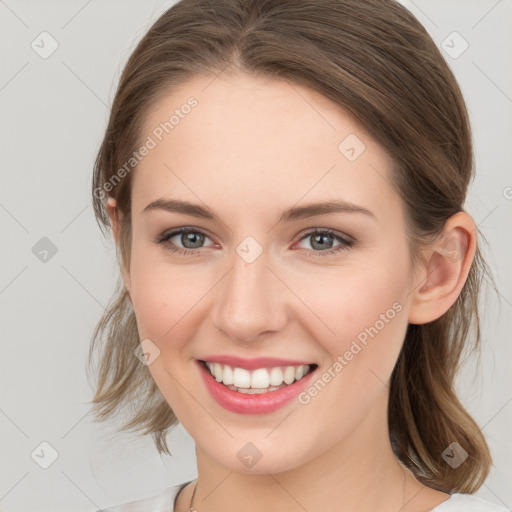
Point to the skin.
(250, 149)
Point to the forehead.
(258, 142)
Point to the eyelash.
(346, 242)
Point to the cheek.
(367, 312)
(166, 298)
(358, 312)
(372, 307)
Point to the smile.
(262, 388)
(260, 380)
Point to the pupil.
(195, 238)
(320, 237)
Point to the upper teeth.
(261, 378)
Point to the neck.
(359, 473)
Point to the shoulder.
(467, 503)
(162, 502)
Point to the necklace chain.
(191, 508)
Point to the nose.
(250, 301)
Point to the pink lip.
(252, 404)
(253, 364)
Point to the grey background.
(54, 111)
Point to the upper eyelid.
(184, 229)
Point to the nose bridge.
(248, 301)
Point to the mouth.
(259, 380)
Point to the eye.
(190, 238)
(321, 241)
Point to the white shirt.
(164, 502)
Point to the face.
(328, 288)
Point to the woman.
(285, 184)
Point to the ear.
(446, 270)
(116, 219)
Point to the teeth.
(289, 374)
(217, 372)
(227, 375)
(241, 378)
(256, 381)
(251, 391)
(276, 377)
(260, 379)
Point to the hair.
(374, 59)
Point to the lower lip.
(244, 403)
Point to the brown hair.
(373, 58)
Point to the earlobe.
(446, 270)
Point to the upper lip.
(253, 364)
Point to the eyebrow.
(291, 214)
